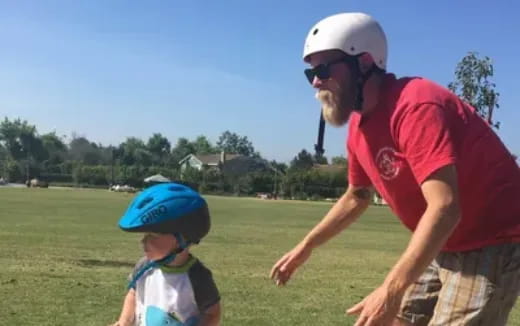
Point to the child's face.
(158, 245)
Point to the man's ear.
(365, 62)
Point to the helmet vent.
(144, 202)
(175, 188)
(315, 31)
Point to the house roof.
(213, 159)
(156, 178)
(209, 159)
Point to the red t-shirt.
(419, 127)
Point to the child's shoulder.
(204, 287)
(141, 263)
(197, 266)
(199, 273)
(137, 267)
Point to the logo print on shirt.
(387, 164)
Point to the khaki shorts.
(476, 287)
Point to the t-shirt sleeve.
(424, 137)
(140, 264)
(204, 287)
(356, 173)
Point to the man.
(440, 167)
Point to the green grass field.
(64, 261)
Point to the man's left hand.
(379, 308)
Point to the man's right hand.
(287, 265)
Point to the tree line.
(26, 154)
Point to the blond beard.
(334, 111)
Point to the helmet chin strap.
(161, 262)
(360, 78)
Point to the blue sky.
(112, 69)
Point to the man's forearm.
(432, 232)
(346, 210)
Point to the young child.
(169, 286)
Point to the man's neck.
(372, 93)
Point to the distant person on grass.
(439, 166)
(169, 286)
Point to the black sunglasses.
(322, 71)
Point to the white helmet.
(352, 33)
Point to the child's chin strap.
(160, 262)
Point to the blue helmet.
(168, 208)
